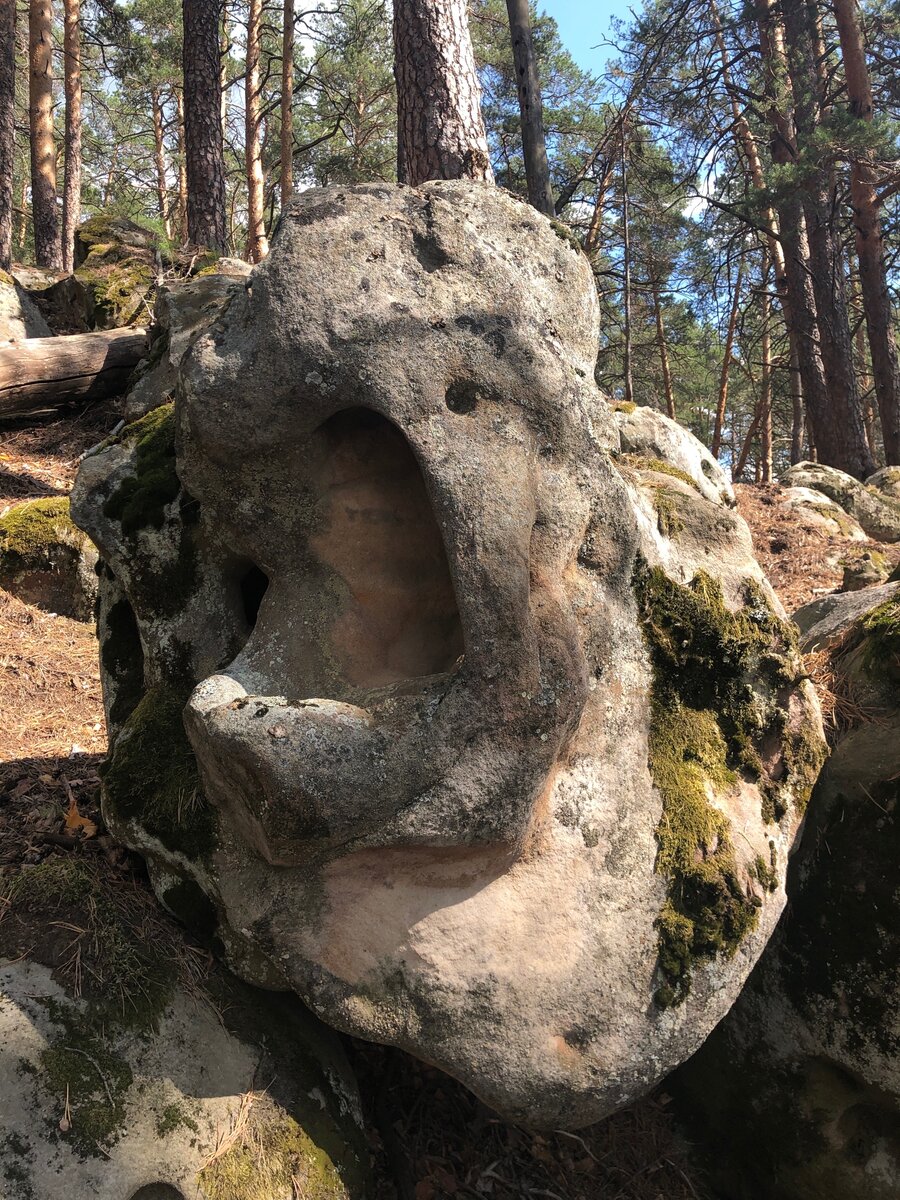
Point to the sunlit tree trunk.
(257, 243)
(43, 152)
(663, 349)
(182, 167)
(159, 158)
(724, 375)
(286, 181)
(440, 129)
(72, 153)
(765, 436)
(626, 279)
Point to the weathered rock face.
(887, 480)
(19, 318)
(498, 740)
(797, 1094)
(816, 509)
(132, 1065)
(181, 311)
(46, 561)
(116, 262)
(876, 511)
(650, 436)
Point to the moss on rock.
(881, 628)
(705, 722)
(151, 776)
(140, 500)
(640, 462)
(271, 1156)
(29, 532)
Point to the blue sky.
(583, 24)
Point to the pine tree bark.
(204, 153)
(159, 158)
(839, 433)
(440, 129)
(7, 127)
(870, 240)
(257, 243)
(722, 404)
(72, 151)
(43, 152)
(626, 276)
(663, 349)
(182, 167)
(534, 146)
(286, 179)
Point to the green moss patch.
(706, 721)
(271, 1156)
(641, 463)
(79, 1065)
(151, 776)
(172, 1117)
(881, 628)
(29, 532)
(624, 406)
(140, 500)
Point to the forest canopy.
(718, 133)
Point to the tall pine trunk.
(7, 127)
(869, 239)
(722, 404)
(204, 154)
(440, 129)
(663, 348)
(840, 438)
(534, 147)
(182, 167)
(159, 158)
(286, 180)
(257, 243)
(43, 151)
(72, 159)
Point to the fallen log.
(43, 372)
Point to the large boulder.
(61, 300)
(19, 317)
(117, 263)
(498, 736)
(45, 560)
(181, 311)
(876, 511)
(887, 481)
(815, 509)
(126, 1065)
(652, 438)
(797, 1094)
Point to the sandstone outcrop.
(797, 1094)
(498, 739)
(876, 510)
(19, 317)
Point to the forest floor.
(430, 1138)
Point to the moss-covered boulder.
(46, 560)
(117, 263)
(887, 481)
(877, 511)
(797, 1094)
(61, 300)
(503, 773)
(127, 1064)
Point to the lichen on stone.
(640, 462)
(881, 628)
(151, 776)
(705, 722)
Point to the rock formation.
(874, 507)
(46, 561)
(797, 1094)
(486, 737)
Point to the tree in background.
(72, 153)
(204, 153)
(43, 151)
(440, 128)
(7, 127)
(528, 85)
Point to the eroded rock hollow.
(479, 731)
